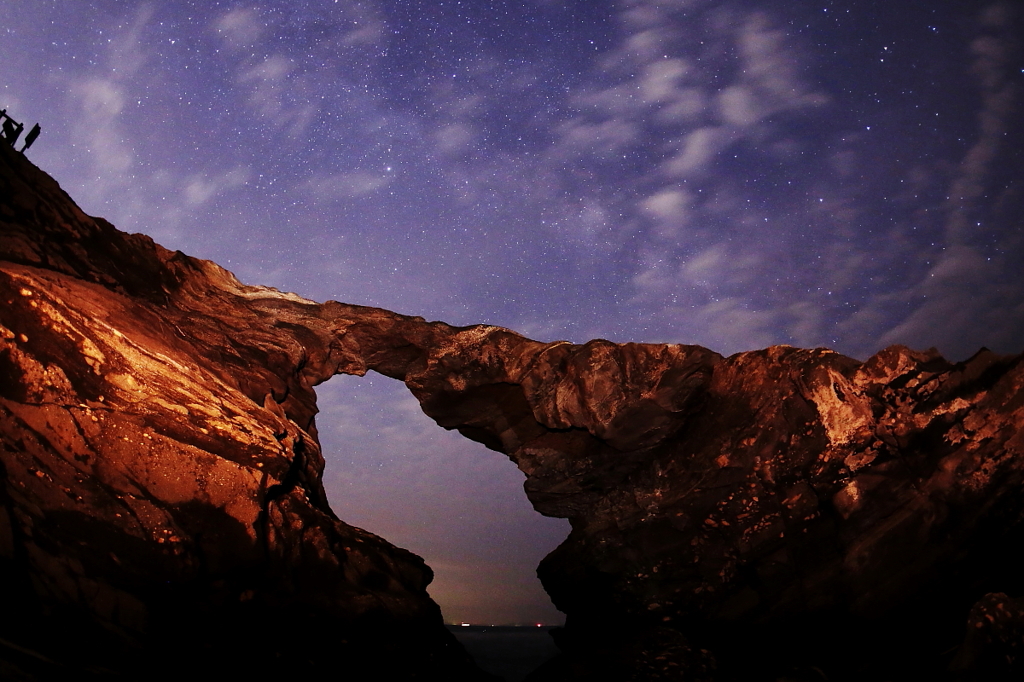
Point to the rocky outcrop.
(778, 514)
(161, 507)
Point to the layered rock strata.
(162, 513)
(777, 514)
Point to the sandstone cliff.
(778, 514)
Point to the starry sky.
(735, 174)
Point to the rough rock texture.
(778, 514)
(161, 506)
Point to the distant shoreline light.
(492, 625)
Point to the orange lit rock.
(748, 517)
(162, 514)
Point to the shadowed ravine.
(777, 514)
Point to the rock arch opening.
(394, 472)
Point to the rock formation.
(161, 505)
(777, 514)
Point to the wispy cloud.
(102, 98)
(285, 81)
(102, 101)
(341, 186)
(240, 28)
(973, 292)
(201, 188)
(99, 99)
(994, 52)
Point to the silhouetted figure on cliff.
(31, 137)
(11, 129)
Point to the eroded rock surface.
(161, 507)
(778, 514)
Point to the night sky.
(730, 174)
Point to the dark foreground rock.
(779, 514)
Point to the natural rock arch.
(772, 509)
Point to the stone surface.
(993, 647)
(161, 505)
(777, 514)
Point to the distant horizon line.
(502, 625)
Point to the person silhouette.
(31, 137)
(11, 130)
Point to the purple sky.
(730, 174)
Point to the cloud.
(686, 106)
(268, 80)
(602, 139)
(126, 55)
(660, 80)
(712, 272)
(685, 83)
(341, 186)
(668, 204)
(101, 103)
(726, 325)
(739, 106)
(972, 294)
(697, 150)
(805, 321)
(200, 188)
(288, 82)
(102, 99)
(994, 54)
(368, 28)
(239, 28)
(281, 94)
(455, 139)
(671, 210)
(958, 295)
(768, 80)
(664, 90)
(707, 267)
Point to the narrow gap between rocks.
(394, 472)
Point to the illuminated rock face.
(733, 518)
(161, 507)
